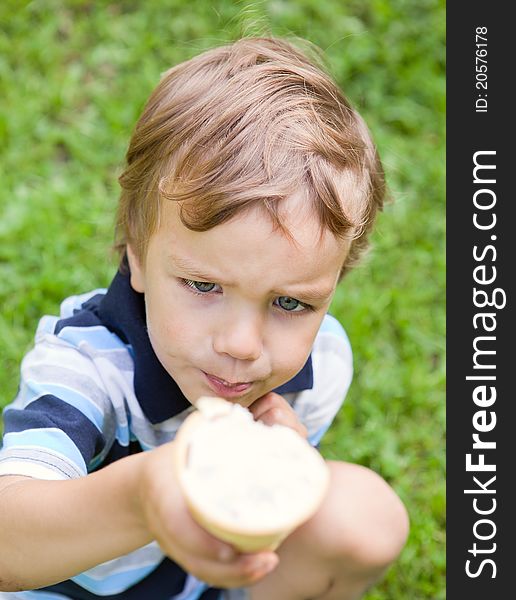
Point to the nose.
(239, 336)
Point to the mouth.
(227, 389)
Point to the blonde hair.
(249, 124)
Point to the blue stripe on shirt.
(67, 394)
(95, 335)
(113, 584)
(166, 581)
(318, 435)
(48, 440)
(49, 412)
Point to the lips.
(225, 388)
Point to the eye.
(202, 287)
(291, 304)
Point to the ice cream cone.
(304, 481)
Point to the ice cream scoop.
(247, 483)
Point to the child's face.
(233, 311)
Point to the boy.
(250, 188)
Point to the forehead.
(249, 246)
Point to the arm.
(61, 528)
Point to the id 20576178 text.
(481, 69)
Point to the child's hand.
(273, 408)
(183, 540)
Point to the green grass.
(72, 83)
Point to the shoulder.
(332, 357)
(77, 358)
(71, 384)
(332, 362)
(75, 346)
(332, 338)
(79, 323)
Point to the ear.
(137, 271)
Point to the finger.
(286, 417)
(190, 538)
(276, 416)
(266, 403)
(172, 523)
(243, 571)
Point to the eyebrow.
(310, 293)
(184, 264)
(313, 294)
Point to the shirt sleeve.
(332, 361)
(61, 418)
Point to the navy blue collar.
(122, 310)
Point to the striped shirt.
(93, 391)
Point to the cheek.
(172, 327)
(290, 350)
